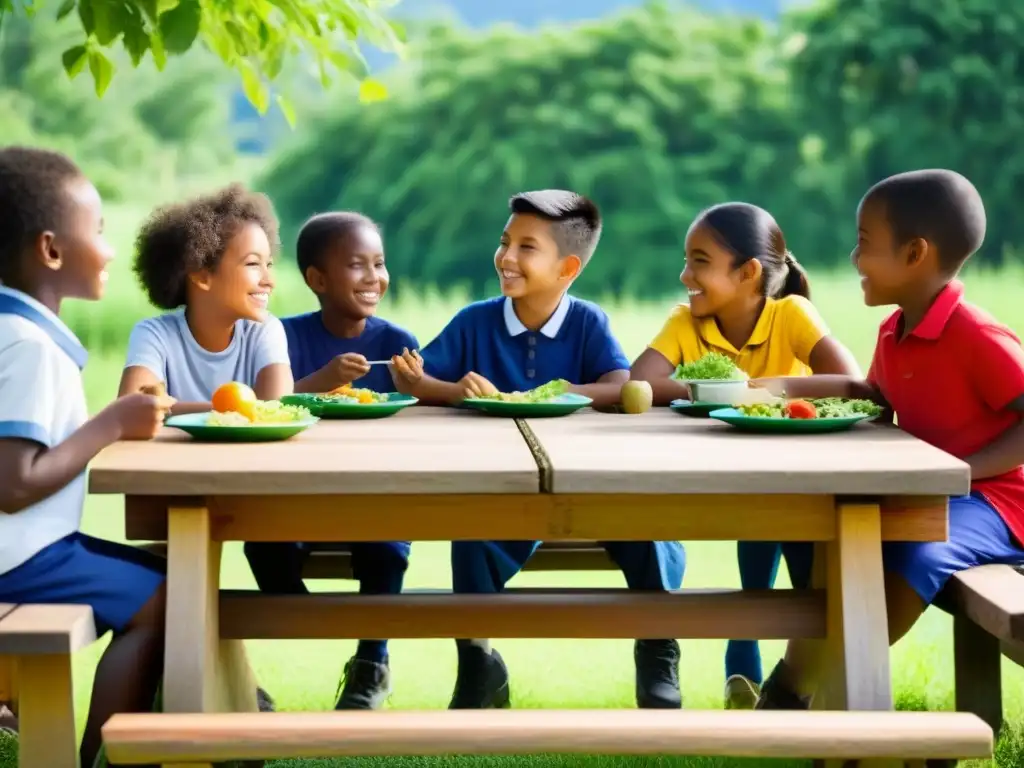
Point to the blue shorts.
(115, 580)
(977, 536)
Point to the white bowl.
(717, 391)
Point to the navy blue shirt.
(311, 346)
(576, 344)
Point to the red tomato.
(801, 409)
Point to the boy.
(536, 333)
(51, 249)
(341, 257)
(953, 376)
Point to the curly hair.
(32, 200)
(180, 239)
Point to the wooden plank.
(46, 716)
(138, 739)
(612, 613)
(420, 450)
(977, 669)
(46, 629)
(660, 452)
(721, 517)
(992, 596)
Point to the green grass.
(302, 675)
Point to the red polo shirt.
(950, 382)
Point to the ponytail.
(795, 282)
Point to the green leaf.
(86, 16)
(136, 39)
(180, 25)
(102, 70)
(108, 20)
(66, 7)
(74, 60)
(254, 87)
(156, 45)
(371, 90)
(286, 109)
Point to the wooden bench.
(183, 739)
(988, 623)
(36, 642)
(329, 561)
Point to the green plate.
(562, 405)
(195, 425)
(700, 410)
(786, 426)
(326, 409)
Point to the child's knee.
(153, 613)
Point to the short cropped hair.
(938, 205)
(575, 219)
(33, 200)
(321, 231)
(180, 239)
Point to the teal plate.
(786, 426)
(195, 425)
(329, 409)
(562, 405)
(700, 410)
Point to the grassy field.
(552, 674)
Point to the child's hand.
(775, 387)
(475, 385)
(139, 416)
(408, 367)
(348, 367)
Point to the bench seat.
(202, 739)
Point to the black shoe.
(482, 681)
(365, 685)
(263, 701)
(657, 674)
(776, 694)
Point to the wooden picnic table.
(439, 474)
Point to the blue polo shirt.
(311, 346)
(576, 344)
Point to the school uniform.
(950, 383)
(576, 344)
(379, 567)
(780, 345)
(44, 557)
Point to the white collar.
(515, 326)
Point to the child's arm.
(606, 391)
(145, 359)
(138, 378)
(274, 382)
(274, 368)
(826, 385)
(407, 373)
(1003, 454)
(343, 369)
(654, 368)
(996, 367)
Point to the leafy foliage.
(253, 37)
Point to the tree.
(253, 37)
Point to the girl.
(208, 263)
(749, 300)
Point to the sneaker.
(364, 685)
(263, 701)
(741, 692)
(775, 694)
(482, 681)
(657, 674)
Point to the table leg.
(47, 723)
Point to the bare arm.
(606, 391)
(1004, 453)
(431, 391)
(274, 382)
(831, 357)
(137, 377)
(654, 368)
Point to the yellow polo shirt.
(780, 344)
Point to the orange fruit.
(234, 397)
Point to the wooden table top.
(419, 450)
(664, 452)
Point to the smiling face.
(79, 253)
(242, 281)
(352, 277)
(711, 280)
(885, 269)
(528, 262)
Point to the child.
(208, 262)
(341, 256)
(537, 333)
(748, 301)
(915, 231)
(51, 249)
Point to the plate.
(327, 409)
(786, 426)
(195, 425)
(562, 405)
(700, 410)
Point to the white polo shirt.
(41, 400)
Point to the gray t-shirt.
(166, 346)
